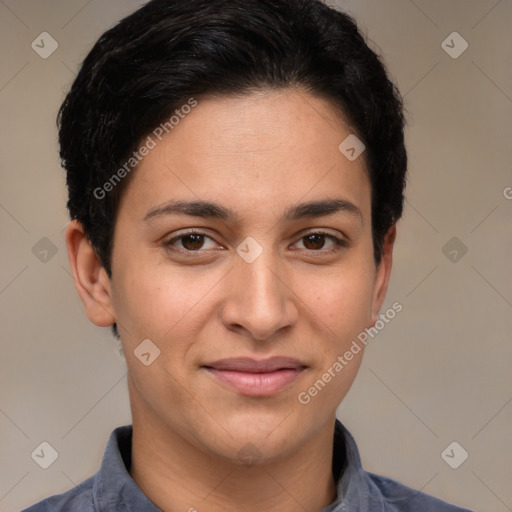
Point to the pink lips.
(256, 378)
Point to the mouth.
(255, 378)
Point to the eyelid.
(322, 231)
(339, 241)
(182, 234)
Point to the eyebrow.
(207, 209)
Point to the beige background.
(439, 372)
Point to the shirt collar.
(114, 488)
(355, 489)
(113, 485)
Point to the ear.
(91, 279)
(383, 274)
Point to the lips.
(246, 364)
(255, 378)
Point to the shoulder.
(402, 498)
(362, 490)
(77, 498)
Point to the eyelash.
(339, 242)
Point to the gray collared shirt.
(113, 490)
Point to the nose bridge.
(260, 280)
(259, 300)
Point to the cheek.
(339, 300)
(152, 302)
(339, 305)
(159, 306)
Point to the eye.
(315, 242)
(191, 241)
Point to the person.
(236, 170)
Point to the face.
(252, 300)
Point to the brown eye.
(315, 241)
(192, 242)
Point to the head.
(241, 104)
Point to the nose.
(260, 300)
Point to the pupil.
(318, 241)
(197, 241)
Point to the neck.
(177, 476)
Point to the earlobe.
(383, 274)
(91, 279)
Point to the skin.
(257, 155)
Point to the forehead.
(260, 150)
